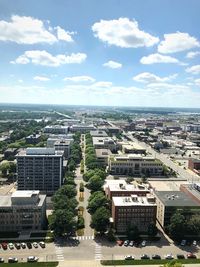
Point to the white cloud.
(157, 58)
(177, 42)
(41, 78)
(64, 35)
(28, 30)
(42, 57)
(194, 69)
(103, 84)
(123, 32)
(192, 54)
(20, 81)
(197, 82)
(79, 79)
(168, 86)
(147, 77)
(112, 64)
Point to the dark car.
(120, 242)
(4, 245)
(191, 256)
(12, 260)
(1, 260)
(17, 245)
(156, 257)
(29, 245)
(145, 257)
(180, 256)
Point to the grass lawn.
(147, 262)
(34, 264)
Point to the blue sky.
(89, 52)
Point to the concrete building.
(65, 146)
(56, 129)
(33, 139)
(132, 148)
(83, 128)
(194, 165)
(133, 210)
(122, 189)
(98, 133)
(133, 164)
(40, 169)
(104, 143)
(56, 137)
(102, 156)
(23, 211)
(169, 202)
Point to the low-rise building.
(56, 137)
(83, 128)
(33, 139)
(133, 210)
(65, 146)
(194, 165)
(23, 211)
(56, 129)
(169, 202)
(98, 133)
(133, 164)
(102, 156)
(132, 148)
(104, 143)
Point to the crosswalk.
(83, 237)
(59, 252)
(98, 253)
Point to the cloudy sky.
(108, 52)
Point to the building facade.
(40, 169)
(23, 211)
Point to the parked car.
(17, 245)
(11, 245)
(1, 260)
(42, 244)
(4, 245)
(29, 245)
(145, 257)
(120, 242)
(12, 260)
(126, 243)
(131, 243)
(191, 256)
(194, 243)
(129, 257)
(183, 242)
(156, 257)
(23, 245)
(169, 257)
(32, 259)
(143, 244)
(35, 244)
(180, 256)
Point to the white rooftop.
(25, 193)
(133, 200)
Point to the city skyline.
(113, 53)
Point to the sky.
(108, 52)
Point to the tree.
(100, 220)
(67, 190)
(193, 225)
(132, 232)
(99, 200)
(173, 263)
(177, 227)
(4, 167)
(62, 222)
(63, 202)
(95, 183)
(152, 230)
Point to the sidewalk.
(73, 263)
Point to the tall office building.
(40, 169)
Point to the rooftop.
(134, 200)
(98, 133)
(175, 199)
(25, 193)
(103, 153)
(39, 151)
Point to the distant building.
(132, 148)
(40, 169)
(56, 129)
(133, 164)
(65, 146)
(33, 139)
(98, 133)
(23, 211)
(56, 137)
(102, 156)
(83, 128)
(168, 202)
(133, 210)
(104, 143)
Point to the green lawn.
(33, 264)
(146, 262)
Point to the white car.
(194, 243)
(32, 259)
(35, 244)
(143, 244)
(11, 245)
(42, 244)
(169, 257)
(129, 257)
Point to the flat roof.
(102, 153)
(25, 193)
(39, 151)
(175, 199)
(166, 185)
(129, 202)
(98, 133)
(100, 140)
(127, 187)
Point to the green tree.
(95, 183)
(100, 220)
(67, 190)
(99, 200)
(152, 230)
(173, 263)
(62, 222)
(4, 167)
(193, 225)
(177, 226)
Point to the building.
(169, 202)
(55, 137)
(132, 148)
(56, 129)
(102, 156)
(133, 164)
(121, 188)
(65, 146)
(104, 143)
(40, 169)
(194, 165)
(23, 211)
(33, 139)
(83, 128)
(98, 133)
(133, 210)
